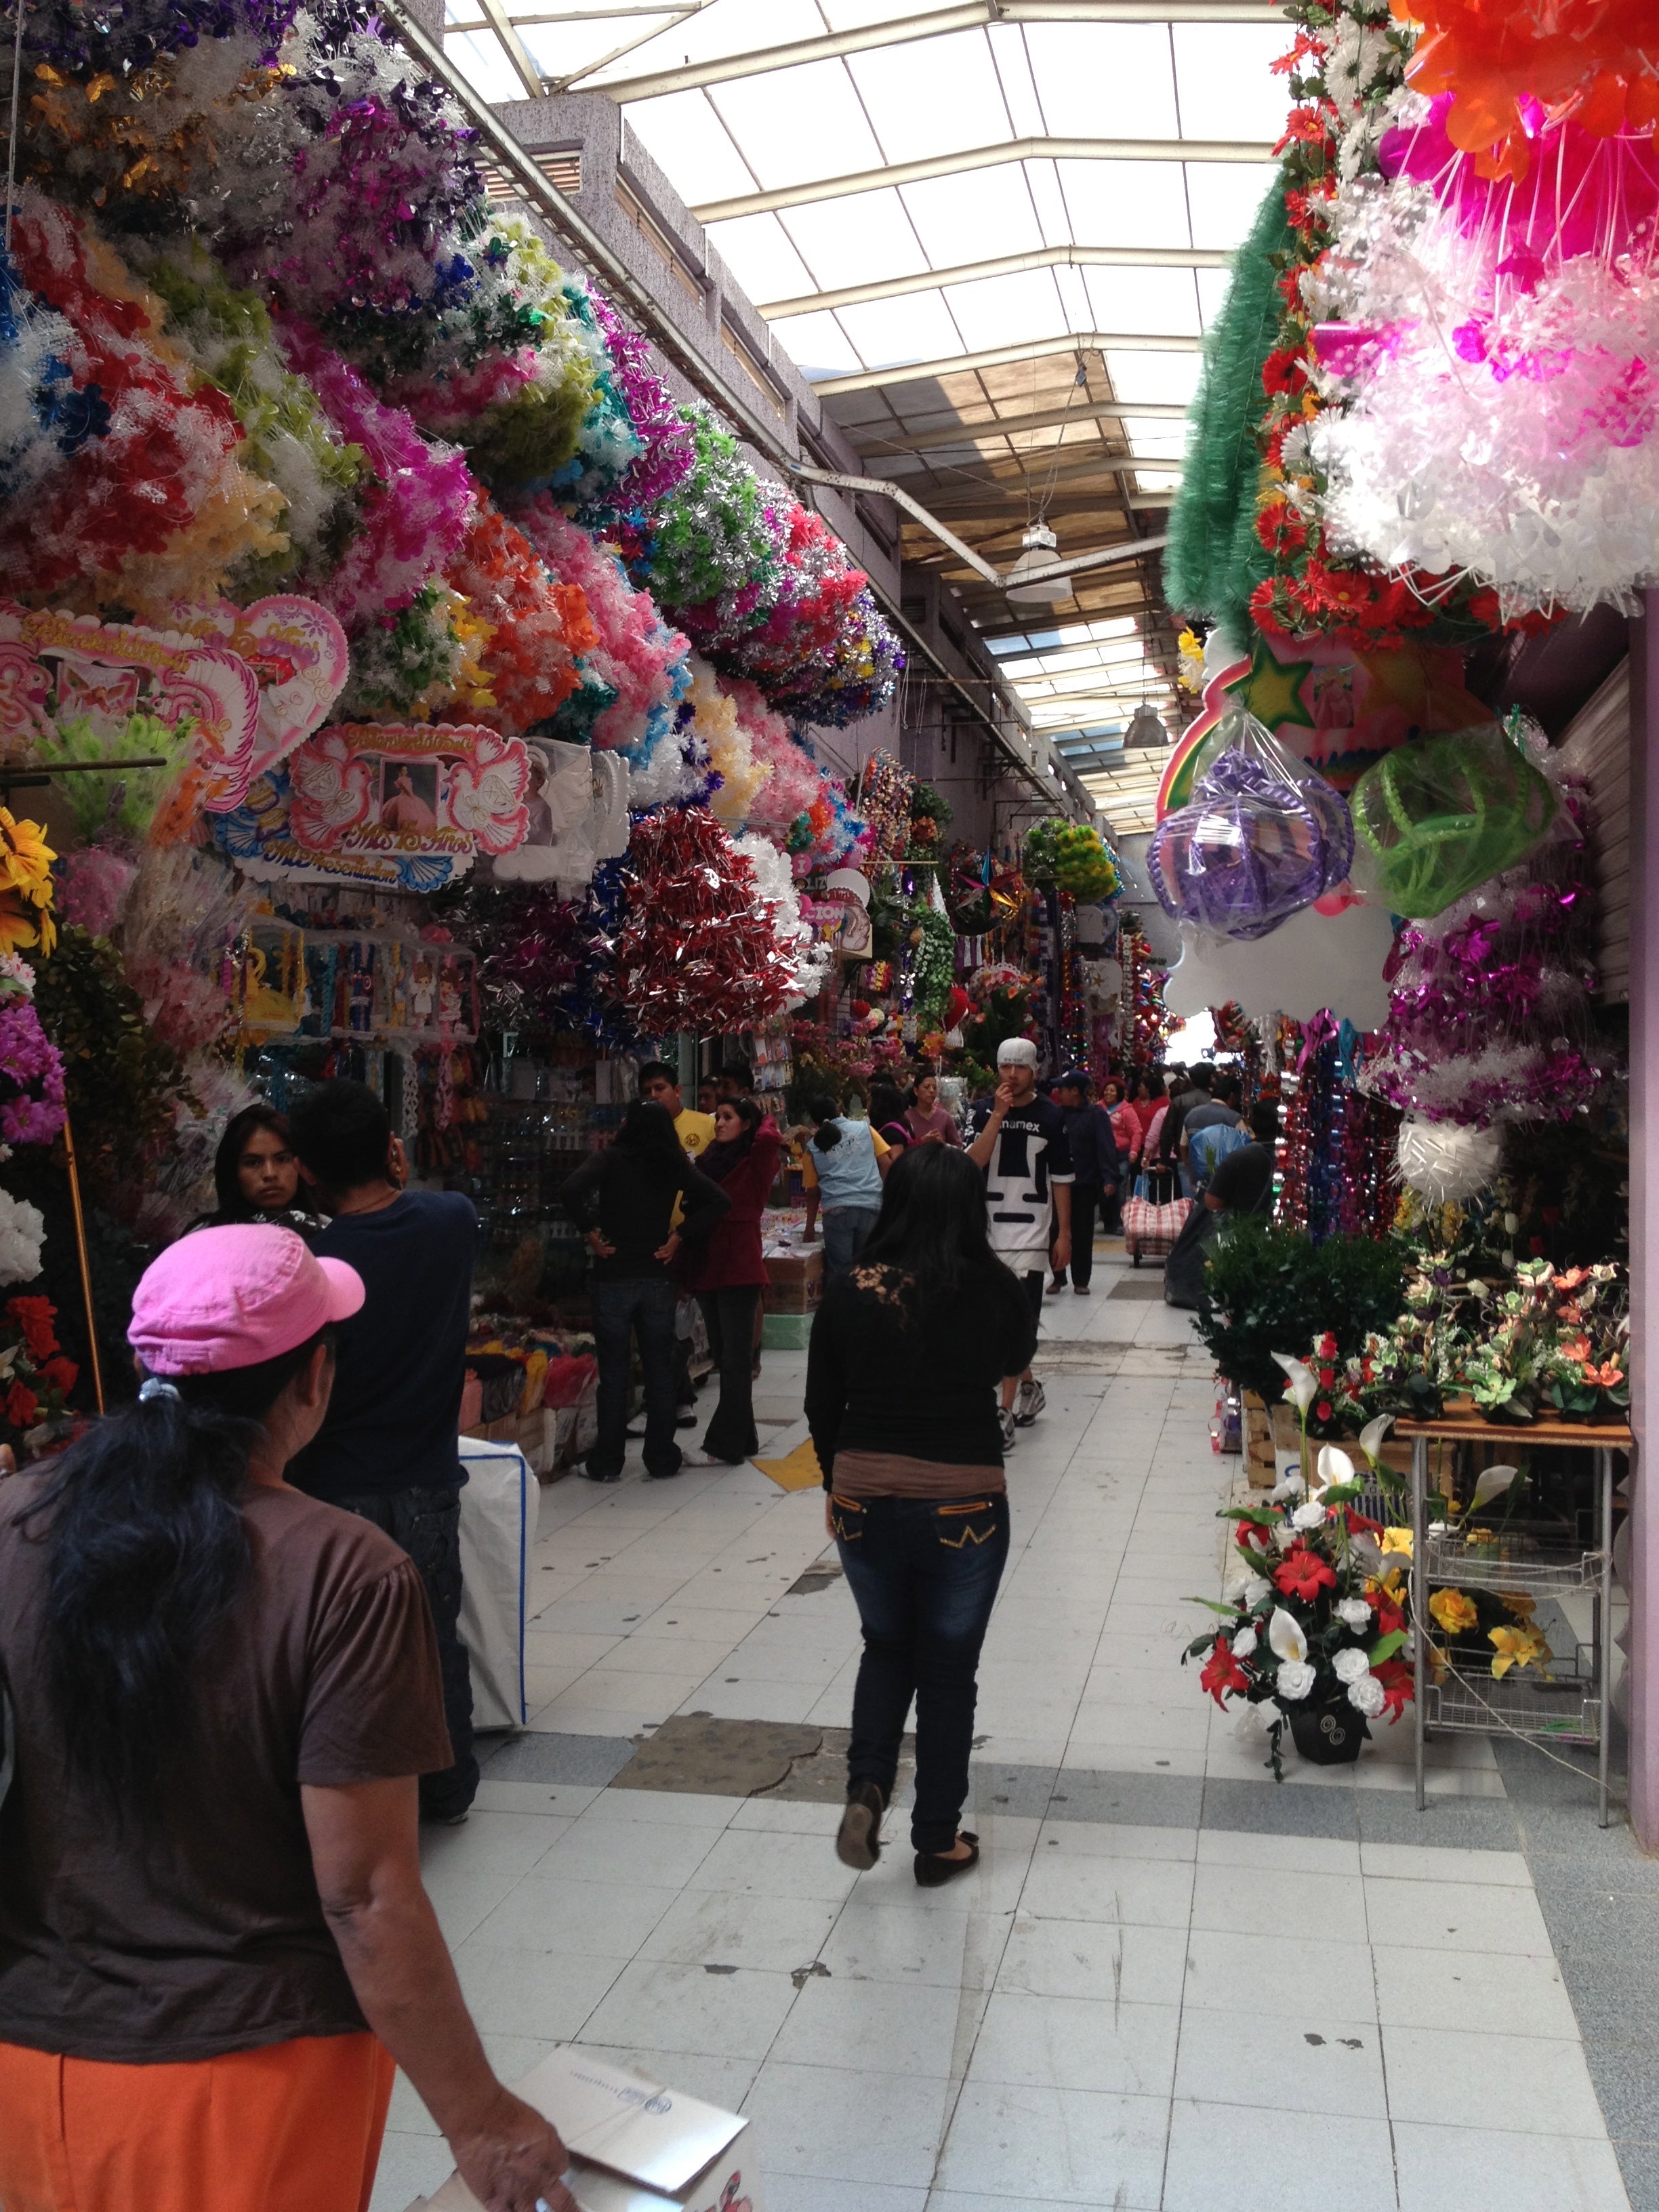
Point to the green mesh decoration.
(710, 536)
(103, 802)
(1214, 560)
(395, 664)
(581, 710)
(1444, 816)
(1071, 856)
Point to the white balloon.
(1311, 962)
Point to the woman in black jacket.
(907, 1350)
(624, 1198)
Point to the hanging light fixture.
(1145, 729)
(1038, 548)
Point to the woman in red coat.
(728, 1273)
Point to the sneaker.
(1005, 1423)
(1030, 1403)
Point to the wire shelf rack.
(1566, 1709)
(1510, 1566)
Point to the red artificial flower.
(1390, 1614)
(1283, 371)
(22, 1407)
(1327, 1376)
(35, 1316)
(1251, 1533)
(1327, 1345)
(1222, 1672)
(1483, 607)
(1281, 530)
(1302, 1573)
(1322, 1410)
(1399, 1685)
(60, 1374)
(1360, 1526)
(1304, 126)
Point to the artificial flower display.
(538, 625)
(31, 1065)
(695, 951)
(35, 1376)
(26, 893)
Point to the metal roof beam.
(1008, 265)
(963, 364)
(902, 30)
(1013, 426)
(517, 52)
(984, 157)
(1035, 483)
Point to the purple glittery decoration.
(668, 456)
(32, 1063)
(1254, 847)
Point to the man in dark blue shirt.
(387, 1450)
(1097, 1171)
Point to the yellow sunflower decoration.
(26, 861)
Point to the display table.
(1524, 1706)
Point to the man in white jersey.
(1020, 1146)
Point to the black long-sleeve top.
(876, 1381)
(630, 1202)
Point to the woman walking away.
(623, 1198)
(214, 1942)
(843, 1168)
(907, 1352)
(728, 1274)
(256, 1176)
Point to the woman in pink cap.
(214, 1941)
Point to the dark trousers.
(427, 1524)
(1086, 1203)
(729, 1316)
(846, 1229)
(923, 1572)
(642, 1307)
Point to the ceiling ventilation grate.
(564, 171)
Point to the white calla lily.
(1305, 1383)
(1284, 1637)
(1333, 1465)
(1491, 1484)
(1371, 1435)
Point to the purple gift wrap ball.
(1258, 843)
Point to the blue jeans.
(845, 1229)
(923, 1572)
(643, 1306)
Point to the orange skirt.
(295, 2127)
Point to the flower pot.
(1327, 1732)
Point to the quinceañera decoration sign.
(406, 805)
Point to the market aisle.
(1166, 1974)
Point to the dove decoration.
(409, 806)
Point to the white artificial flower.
(1349, 1666)
(1305, 1383)
(1367, 1695)
(1371, 1435)
(1354, 1612)
(1233, 1588)
(1294, 1679)
(1288, 1486)
(1495, 1479)
(1244, 1643)
(1334, 1465)
(1310, 1516)
(1256, 1587)
(1283, 1537)
(1511, 1223)
(22, 1233)
(1284, 1637)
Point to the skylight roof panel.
(793, 126)
(761, 254)
(856, 242)
(853, 14)
(1126, 203)
(729, 27)
(1013, 67)
(931, 99)
(685, 137)
(1159, 300)
(1163, 376)
(889, 332)
(1095, 82)
(1001, 310)
(1224, 72)
(817, 345)
(1213, 286)
(482, 60)
(973, 217)
(1224, 196)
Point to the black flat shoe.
(933, 1872)
(858, 1840)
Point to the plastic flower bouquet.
(35, 1377)
(1314, 1621)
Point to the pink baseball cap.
(230, 1298)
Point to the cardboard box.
(795, 1280)
(635, 2147)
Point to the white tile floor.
(1154, 2018)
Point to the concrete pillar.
(1645, 1225)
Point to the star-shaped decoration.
(1272, 688)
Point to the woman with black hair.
(256, 1176)
(908, 1349)
(624, 1200)
(888, 1115)
(729, 1275)
(843, 1168)
(214, 1941)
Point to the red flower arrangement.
(37, 1376)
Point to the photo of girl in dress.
(409, 794)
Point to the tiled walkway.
(1170, 1984)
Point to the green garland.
(935, 968)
